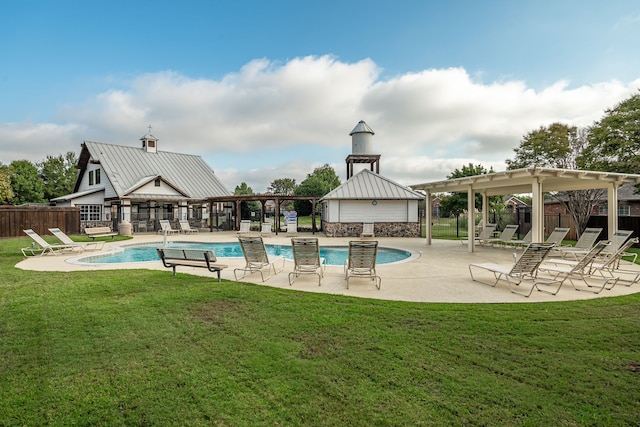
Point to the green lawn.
(146, 348)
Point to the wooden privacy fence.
(14, 219)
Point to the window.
(90, 212)
(97, 176)
(157, 183)
(624, 210)
(90, 177)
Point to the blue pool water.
(335, 255)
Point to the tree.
(282, 186)
(58, 174)
(6, 193)
(318, 183)
(246, 207)
(614, 141)
(26, 183)
(560, 146)
(457, 202)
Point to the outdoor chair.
(608, 265)
(579, 270)
(361, 261)
(85, 246)
(266, 229)
(245, 227)
(522, 242)
(306, 258)
(584, 244)
(557, 236)
(505, 237)
(367, 230)
(256, 258)
(185, 227)
(43, 247)
(485, 235)
(524, 269)
(165, 227)
(292, 229)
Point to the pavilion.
(535, 181)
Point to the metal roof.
(127, 167)
(366, 185)
(519, 181)
(362, 127)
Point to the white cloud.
(272, 120)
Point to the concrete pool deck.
(438, 273)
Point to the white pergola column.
(485, 208)
(428, 216)
(612, 209)
(537, 211)
(471, 224)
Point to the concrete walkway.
(436, 273)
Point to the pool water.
(334, 255)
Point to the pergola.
(535, 181)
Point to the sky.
(264, 90)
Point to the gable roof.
(127, 167)
(367, 185)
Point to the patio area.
(437, 273)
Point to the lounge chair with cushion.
(256, 258)
(43, 247)
(86, 246)
(583, 245)
(524, 269)
(367, 230)
(306, 258)
(361, 261)
(185, 227)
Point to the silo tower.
(362, 148)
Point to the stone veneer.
(380, 229)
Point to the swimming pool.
(334, 255)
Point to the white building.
(140, 185)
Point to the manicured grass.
(146, 348)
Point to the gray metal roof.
(367, 185)
(127, 167)
(362, 127)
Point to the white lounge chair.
(367, 230)
(505, 237)
(557, 236)
(361, 261)
(256, 258)
(266, 229)
(245, 227)
(306, 258)
(85, 246)
(524, 241)
(580, 270)
(43, 247)
(165, 227)
(185, 227)
(292, 229)
(584, 244)
(524, 269)
(484, 236)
